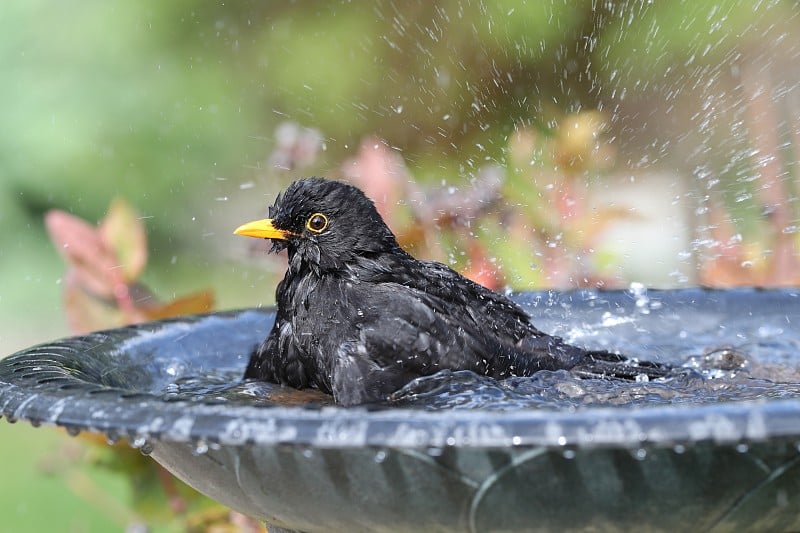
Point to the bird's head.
(326, 224)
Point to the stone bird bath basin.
(598, 458)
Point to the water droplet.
(200, 447)
(742, 447)
(146, 448)
(435, 452)
(308, 453)
(639, 454)
(380, 456)
(73, 431)
(516, 440)
(679, 448)
(609, 319)
(562, 440)
(769, 331)
(568, 454)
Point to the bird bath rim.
(37, 385)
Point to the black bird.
(358, 317)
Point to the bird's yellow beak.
(262, 229)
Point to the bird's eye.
(317, 222)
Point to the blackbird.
(359, 318)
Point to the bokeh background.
(529, 144)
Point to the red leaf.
(382, 174)
(92, 263)
(480, 269)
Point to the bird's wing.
(405, 328)
(495, 327)
(446, 289)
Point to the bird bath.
(460, 453)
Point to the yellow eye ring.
(317, 223)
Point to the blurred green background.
(198, 113)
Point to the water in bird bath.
(720, 354)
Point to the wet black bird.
(359, 318)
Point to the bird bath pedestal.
(720, 466)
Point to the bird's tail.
(607, 365)
(547, 352)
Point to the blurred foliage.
(664, 38)
(172, 105)
(102, 107)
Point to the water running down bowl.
(292, 460)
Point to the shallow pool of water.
(725, 347)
